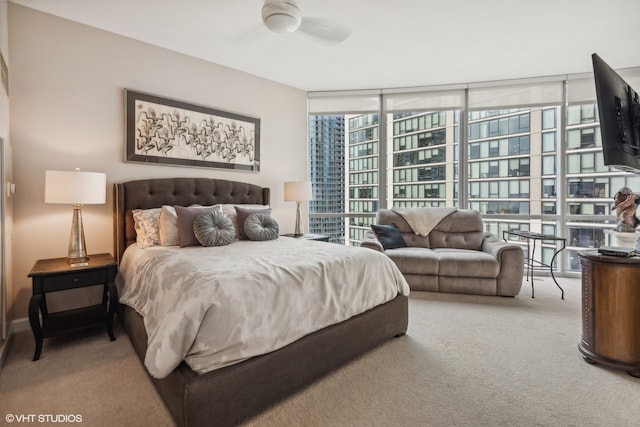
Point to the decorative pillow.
(146, 225)
(213, 228)
(243, 213)
(169, 235)
(389, 236)
(230, 211)
(261, 227)
(186, 218)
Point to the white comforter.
(216, 306)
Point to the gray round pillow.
(214, 228)
(261, 227)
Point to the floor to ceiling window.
(344, 165)
(508, 124)
(525, 154)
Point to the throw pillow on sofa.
(389, 236)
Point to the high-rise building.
(363, 174)
(327, 173)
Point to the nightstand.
(318, 237)
(53, 275)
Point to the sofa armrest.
(510, 257)
(493, 245)
(371, 241)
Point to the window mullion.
(383, 182)
(463, 154)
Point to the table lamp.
(297, 191)
(75, 188)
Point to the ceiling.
(399, 43)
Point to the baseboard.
(4, 349)
(19, 325)
(16, 326)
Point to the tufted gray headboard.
(153, 193)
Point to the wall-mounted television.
(619, 113)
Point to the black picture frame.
(171, 132)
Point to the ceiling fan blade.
(325, 31)
(250, 35)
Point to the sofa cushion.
(471, 240)
(466, 263)
(461, 221)
(462, 229)
(389, 236)
(412, 260)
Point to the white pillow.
(169, 226)
(146, 222)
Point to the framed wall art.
(171, 132)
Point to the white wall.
(67, 111)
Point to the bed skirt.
(231, 395)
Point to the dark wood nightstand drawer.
(73, 280)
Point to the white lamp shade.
(75, 187)
(297, 191)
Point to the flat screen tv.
(619, 113)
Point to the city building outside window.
(530, 158)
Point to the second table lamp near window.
(297, 191)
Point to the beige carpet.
(466, 361)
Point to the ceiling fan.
(284, 16)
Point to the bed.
(232, 394)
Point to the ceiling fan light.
(281, 23)
(281, 17)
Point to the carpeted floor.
(465, 361)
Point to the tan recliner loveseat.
(455, 256)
